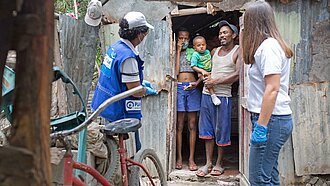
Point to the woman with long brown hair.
(268, 101)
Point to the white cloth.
(130, 66)
(269, 59)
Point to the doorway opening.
(206, 26)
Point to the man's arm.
(213, 51)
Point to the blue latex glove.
(146, 83)
(259, 134)
(150, 89)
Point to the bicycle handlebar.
(97, 112)
(58, 73)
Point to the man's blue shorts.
(215, 121)
(188, 100)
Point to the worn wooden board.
(16, 166)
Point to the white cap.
(94, 13)
(136, 19)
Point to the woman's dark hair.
(259, 24)
(130, 34)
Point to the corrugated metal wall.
(78, 50)
(108, 36)
(158, 110)
(312, 129)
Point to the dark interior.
(206, 25)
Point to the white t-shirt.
(269, 59)
(129, 68)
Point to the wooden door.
(245, 127)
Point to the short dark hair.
(198, 37)
(182, 29)
(130, 34)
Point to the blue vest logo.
(107, 61)
(132, 105)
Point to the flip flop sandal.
(178, 166)
(217, 171)
(192, 167)
(203, 171)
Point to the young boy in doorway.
(201, 63)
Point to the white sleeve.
(129, 71)
(271, 59)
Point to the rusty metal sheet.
(156, 110)
(156, 54)
(78, 50)
(312, 49)
(305, 27)
(311, 142)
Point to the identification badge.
(133, 105)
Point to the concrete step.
(188, 183)
(186, 177)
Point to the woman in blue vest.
(122, 69)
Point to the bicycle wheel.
(113, 161)
(149, 159)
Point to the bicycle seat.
(122, 126)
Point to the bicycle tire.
(136, 171)
(113, 160)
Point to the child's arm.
(200, 70)
(193, 63)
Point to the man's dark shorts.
(215, 121)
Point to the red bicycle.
(144, 169)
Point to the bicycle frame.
(124, 160)
(70, 164)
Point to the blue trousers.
(263, 162)
(137, 141)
